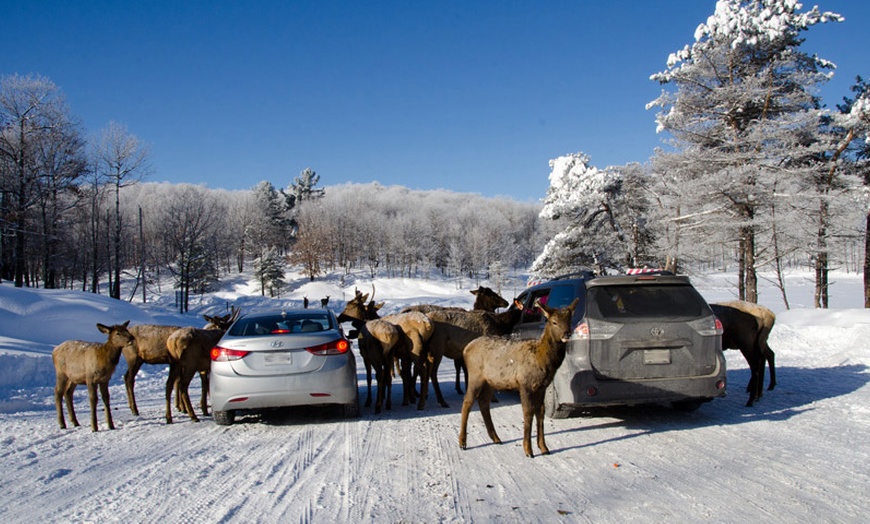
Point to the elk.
(189, 350)
(455, 329)
(415, 330)
(485, 300)
(324, 301)
(90, 363)
(527, 366)
(746, 326)
(357, 312)
(151, 349)
(380, 337)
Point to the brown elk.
(379, 338)
(357, 311)
(746, 326)
(485, 300)
(151, 349)
(415, 331)
(90, 363)
(527, 366)
(189, 350)
(455, 329)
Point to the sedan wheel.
(224, 418)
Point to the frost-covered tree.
(300, 190)
(270, 226)
(39, 143)
(853, 123)
(123, 160)
(743, 106)
(193, 217)
(593, 209)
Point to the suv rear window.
(647, 301)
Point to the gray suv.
(637, 339)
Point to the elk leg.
(434, 363)
(58, 403)
(92, 399)
(528, 415)
(538, 406)
(170, 385)
(483, 400)
(68, 396)
(203, 401)
(459, 365)
(471, 392)
(130, 383)
(770, 362)
(183, 385)
(104, 392)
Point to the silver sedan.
(292, 358)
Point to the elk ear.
(125, 324)
(573, 305)
(104, 329)
(544, 309)
(379, 306)
(475, 291)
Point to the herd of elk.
(418, 336)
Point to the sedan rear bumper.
(230, 391)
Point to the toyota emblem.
(657, 332)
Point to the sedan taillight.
(336, 347)
(219, 354)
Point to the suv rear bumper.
(579, 388)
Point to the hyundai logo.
(657, 332)
(277, 344)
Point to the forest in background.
(758, 174)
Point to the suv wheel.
(551, 407)
(224, 418)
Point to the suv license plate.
(657, 356)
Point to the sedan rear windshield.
(281, 324)
(648, 301)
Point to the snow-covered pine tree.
(743, 107)
(601, 222)
(269, 270)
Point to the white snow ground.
(799, 455)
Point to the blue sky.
(460, 95)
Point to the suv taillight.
(219, 354)
(336, 347)
(595, 330)
(707, 327)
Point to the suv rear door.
(649, 329)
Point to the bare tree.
(191, 220)
(123, 159)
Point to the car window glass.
(560, 296)
(627, 302)
(281, 324)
